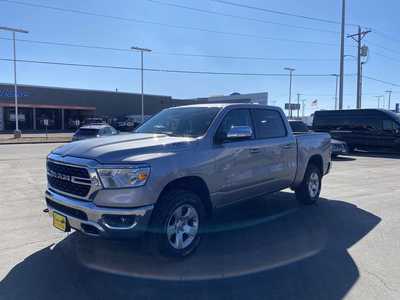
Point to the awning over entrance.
(74, 107)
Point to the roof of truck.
(95, 126)
(223, 105)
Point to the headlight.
(124, 177)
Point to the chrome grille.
(69, 179)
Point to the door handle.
(288, 146)
(254, 150)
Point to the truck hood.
(126, 148)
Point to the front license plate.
(60, 222)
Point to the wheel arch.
(317, 161)
(194, 184)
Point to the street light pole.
(142, 50)
(298, 104)
(379, 100)
(390, 97)
(291, 70)
(303, 106)
(14, 30)
(336, 90)
(342, 38)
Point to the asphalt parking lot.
(347, 246)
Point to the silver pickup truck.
(169, 176)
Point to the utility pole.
(142, 50)
(379, 100)
(358, 37)
(17, 132)
(342, 55)
(291, 70)
(303, 107)
(390, 97)
(298, 104)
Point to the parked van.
(362, 128)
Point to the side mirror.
(239, 133)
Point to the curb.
(33, 142)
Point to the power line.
(382, 81)
(239, 17)
(64, 44)
(384, 48)
(386, 36)
(164, 70)
(283, 13)
(247, 35)
(387, 57)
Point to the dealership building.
(63, 107)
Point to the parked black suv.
(363, 128)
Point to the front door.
(236, 161)
(389, 137)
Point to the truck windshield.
(182, 121)
(395, 117)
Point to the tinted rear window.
(359, 123)
(298, 127)
(87, 132)
(268, 124)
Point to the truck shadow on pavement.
(376, 154)
(268, 248)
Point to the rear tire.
(309, 190)
(176, 223)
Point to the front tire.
(176, 223)
(309, 190)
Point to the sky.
(167, 29)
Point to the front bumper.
(339, 149)
(94, 220)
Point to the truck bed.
(310, 144)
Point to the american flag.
(314, 103)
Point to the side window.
(268, 124)
(237, 117)
(363, 123)
(389, 125)
(106, 131)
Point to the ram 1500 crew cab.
(177, 169)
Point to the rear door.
(365, 130)
(278, 148)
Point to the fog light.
(118, 221)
